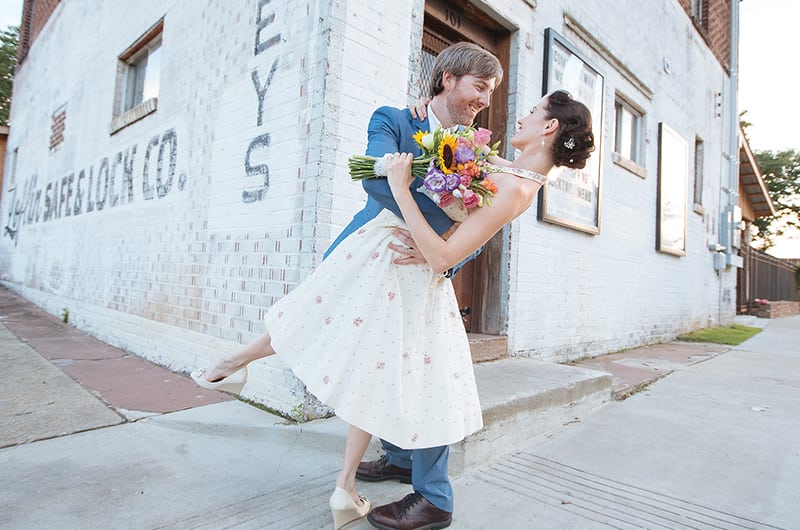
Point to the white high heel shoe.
(233, 383)
(344, 508)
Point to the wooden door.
(447, 22)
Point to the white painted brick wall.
(184, 278)
(614, 291)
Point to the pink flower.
(470, 199)
(406, 355)
(427, 359)
(391, 295)
(466, 180)
(380, 365)
(318, 299)
(349, 255)
(414, 438)
(357, 321)
(328, 321)
(463, 141)
(445, 199)
(326, 379)
(482, 136)
(376, 255)
(362, 230)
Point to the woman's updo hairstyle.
(575, 140)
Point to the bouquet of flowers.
(452, 166)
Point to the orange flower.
(469, 168)
(489, 185)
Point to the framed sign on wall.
(673, 175)
(571, 197)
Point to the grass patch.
(730, 335)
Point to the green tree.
(9, 38)
(781, 172)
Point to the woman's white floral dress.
(382, 344)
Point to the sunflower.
(447, 151)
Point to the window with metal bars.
(432, 46)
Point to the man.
(463, 79)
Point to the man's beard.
(457, 111)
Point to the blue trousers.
(428, 472)
(428, 466)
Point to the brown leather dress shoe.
(413, 512)
(380, 470)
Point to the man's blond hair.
(464, 58)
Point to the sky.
(768, 73)
(10, 13)
(768, 81)
(768, 78)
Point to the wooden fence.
(764, 277)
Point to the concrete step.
(523, 399)
(487, 347)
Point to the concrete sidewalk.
(60, 380)
(93, 437)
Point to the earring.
(543, 143)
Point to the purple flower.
(452, 181)
(464, 154)
(435, 180)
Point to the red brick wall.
(779, 309)
(35, 14)
(715, 27)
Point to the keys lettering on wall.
(263, 42)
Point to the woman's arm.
(476, 230)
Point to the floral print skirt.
(381, 344)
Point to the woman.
(367, 336)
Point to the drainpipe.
(732, 214)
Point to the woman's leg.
(259, 348)
(355, 447)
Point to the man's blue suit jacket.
(391, 130)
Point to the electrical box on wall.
(730, 233)
(730, 238)
(719, 261)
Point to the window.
(698, 174)
(698, 12)
(627, 131)
(138, 79)
(143, 73)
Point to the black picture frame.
(572, 197)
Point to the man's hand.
(407, 248)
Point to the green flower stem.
(363, 167)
